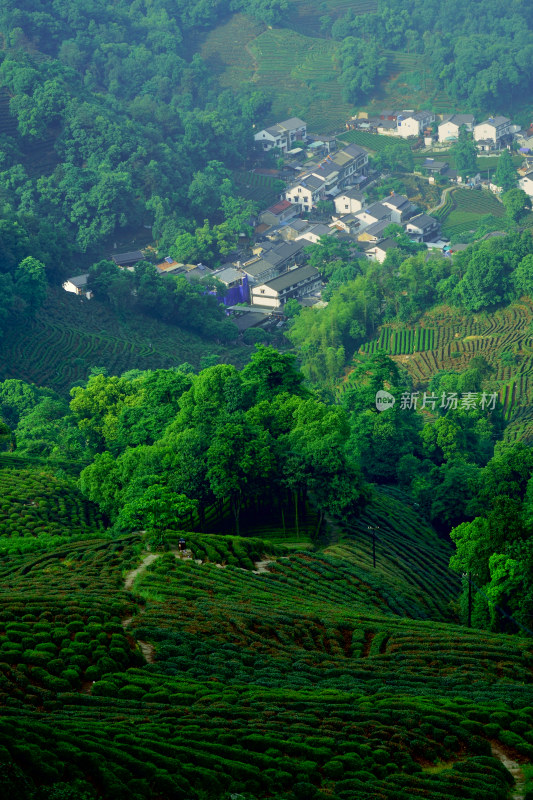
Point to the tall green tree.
(465, 154)
(505, 174)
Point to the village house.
(387, 127)
(197, 273)
(433, 167)
(494, 129)
(127, 259)
(349, 161)
(374, 213)
(278, 213)
(78, 285)
(450, 126)
(422, 228)
(295, 283)
(306, 192)
(314, 233)
(379, 251)
(294, 228)
(282, 135)
(347, 223)
(328, 176)
(273, 261)
(375, 232)
(414, 123)
(400, 207)
(526, 183)
(228, 275)
(260, 271)
(349, 201)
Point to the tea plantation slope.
(69, 336)
(276, 685)
(411, 560)
(446, 339)
(311, 621)
(40, 511)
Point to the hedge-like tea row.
(37, 506)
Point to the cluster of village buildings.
(276, 269)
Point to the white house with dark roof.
(349, 201)
(282, 135)
(328, 176)
(295, 283)
(493, 129)
(422, 228)
(450, 126)
(414, 123)
(526, 183)
(315, 232)
(78, 285)
(375, 232)
(374, 213)
(379, 251)
(306, 192)
(400, 206)
(345, 222)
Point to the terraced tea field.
(408, 84)
(370, 141)
(444, 340)
(309, 678)
(69, 336)
(301, 74)
(41, 510)
(297, 72)
(226, 50)
(262, 189)
(465, 207)
(305, 14)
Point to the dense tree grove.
(364, 294)
(480, 53)
(137, 134)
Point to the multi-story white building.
(327, 176)
(295, 283)
(492, 129)
(282, 135)
(449, 128)
(414, 123)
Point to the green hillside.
(297, 72)
(69, 336)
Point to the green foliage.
(516, 203)
(230, 438)
(362, 65)
(505, 175)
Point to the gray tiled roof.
(292, 277)
(79, 280)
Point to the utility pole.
(469, 622)
(373, 534)
(469, 617)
